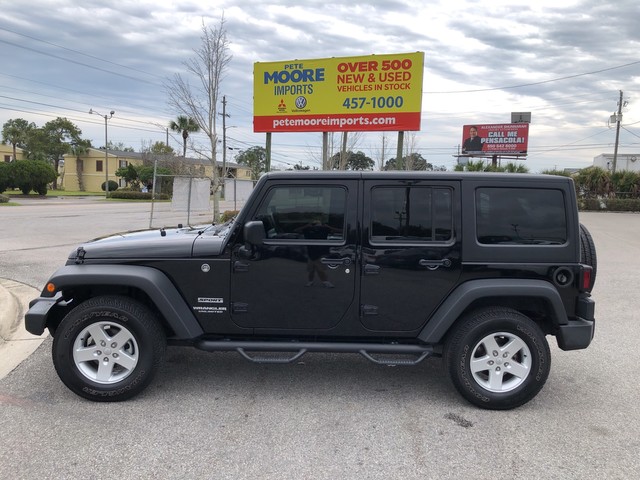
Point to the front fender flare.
(467, 293)
(153, 282)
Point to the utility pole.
(106, 149)
(224, 144)
(618, 120)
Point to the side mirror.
(254, 233)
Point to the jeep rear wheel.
(497, 358)
(108, 348)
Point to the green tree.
(164, 184)
(184, 125)
(35, 147)
(414, 162)
(15, 132)
(55, 139)
(625, 183)
(119, 147)
(255, 158)
(355, 161)
(515, 168)
(131, 175)
(160, 148)
(593, 182)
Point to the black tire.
(501, 379)
(108, 348)
(588, 253)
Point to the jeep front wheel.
(497, 358)
(108, 348)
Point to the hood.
(153, 244)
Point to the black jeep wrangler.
(475, 268)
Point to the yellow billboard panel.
(368, 93)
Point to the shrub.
(4, 176)
(4, 199)
(561, 173)
(113, 186)
(610, 204)
(132, 195)
(228, 215)
(30, 175)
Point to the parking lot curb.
(16, 344)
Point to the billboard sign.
(370, 93)
(500, 139)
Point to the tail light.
(585, 278)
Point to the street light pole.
(106, 149)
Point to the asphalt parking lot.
(328, 416)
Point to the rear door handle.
(434, 264)
(336, 261)
(370, 269)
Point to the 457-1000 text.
(373, 102)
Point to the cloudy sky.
(564, 61)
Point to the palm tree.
(79, 149)
(16, 132)
(184, 125)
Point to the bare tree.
(410, 146)
(201, 102)
(381, 153)
(350, 141)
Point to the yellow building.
(6, 153)
(87, 173)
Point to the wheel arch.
(145, 284)
(537, 295)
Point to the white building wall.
(625, 161)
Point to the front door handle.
(240, 266)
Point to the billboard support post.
(399, 150)
(325, 150)
(268, 153)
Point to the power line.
(78, 52)
(77, 63)
(538, 83)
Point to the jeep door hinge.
(240, 266)
(239, 307)
(368, 310)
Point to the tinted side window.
(304, 212)
(411, 214)
(520, 216)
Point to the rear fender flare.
(463, 296)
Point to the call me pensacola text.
(368, 93)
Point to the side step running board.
(269, 359)
(292, 351)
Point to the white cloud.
(61, 58)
